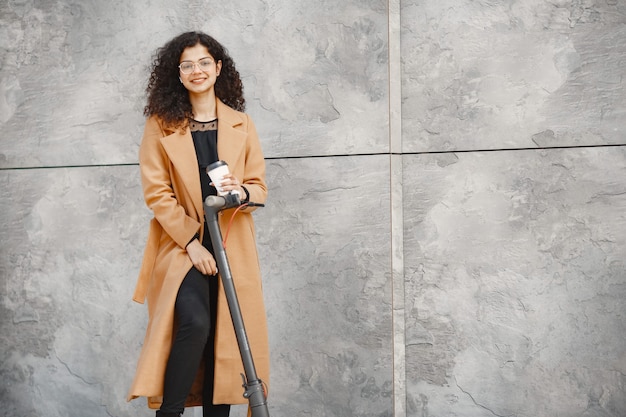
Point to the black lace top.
(204, 136)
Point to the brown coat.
(171, 186)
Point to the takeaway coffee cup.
(216, 172)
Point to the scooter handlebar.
(230, 200)
(215, 202)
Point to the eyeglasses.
(187, 67)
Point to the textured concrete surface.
(403, 277)
(72, 241)
(73, 74)
(325, 262)
(70, 245)
(515, 283)
(512, 74)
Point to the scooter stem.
(253, 386)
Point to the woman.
(190, 355)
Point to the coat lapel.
(230, 140)
(181, 151)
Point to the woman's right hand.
(201, 258)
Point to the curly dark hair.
(169, 99)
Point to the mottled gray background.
(446, 228)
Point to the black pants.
(195, 312)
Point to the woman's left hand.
(231, 183)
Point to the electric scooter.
(253, 386)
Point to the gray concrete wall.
(445, 231)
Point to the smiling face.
(202, 78)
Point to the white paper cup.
(217, 171)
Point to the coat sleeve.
(159, 194)
(254, 170)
